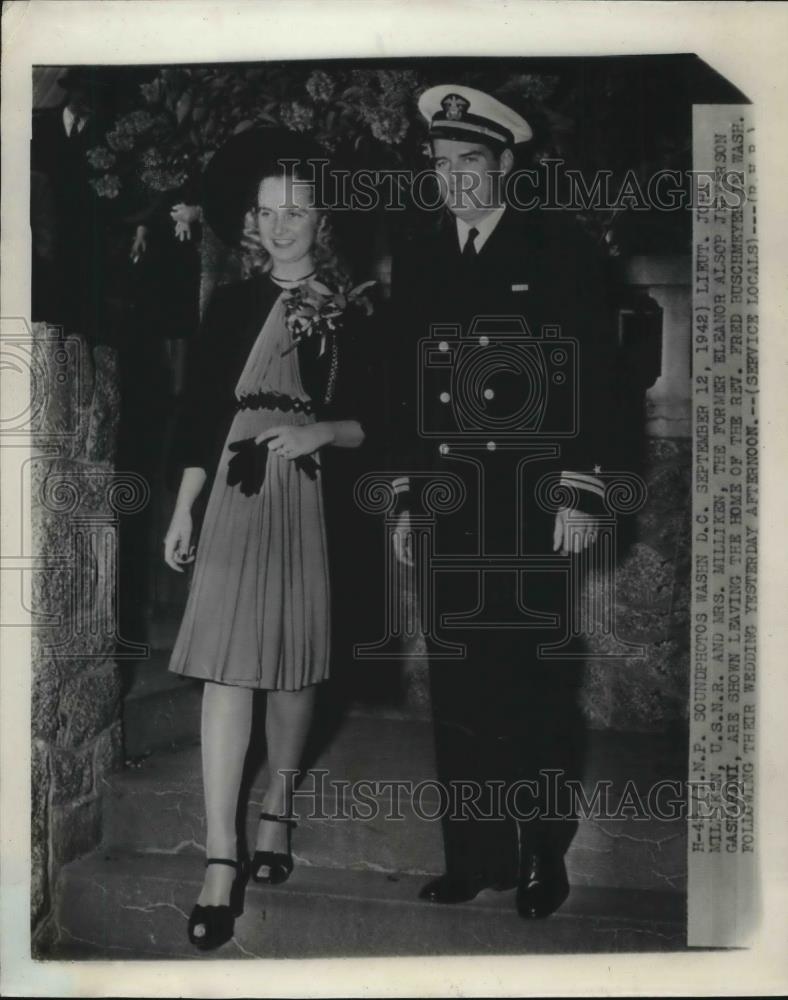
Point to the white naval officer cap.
(456, 112)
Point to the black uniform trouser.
(501, 716)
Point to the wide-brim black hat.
(86, 77)
(234, 171)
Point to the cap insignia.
(454, 106)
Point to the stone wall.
(75, 498)
(652, 579)
(651, 601)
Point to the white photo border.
(745, 42)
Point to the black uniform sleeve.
(592, 453)
(406, 321)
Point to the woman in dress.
(279, 377)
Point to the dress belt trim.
(274, 401)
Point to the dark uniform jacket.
(486, 386)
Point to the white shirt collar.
(69, 118)
(483, 228)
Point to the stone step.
(158, 807)
(126, 906)
(163, 630)
(161, 710)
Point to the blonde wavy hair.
(330, 268)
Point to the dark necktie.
(75, 134)
(469, 250)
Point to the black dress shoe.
(542, 886)
(461, 888)
(210, 927)
(273, 867)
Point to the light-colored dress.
(257, 613)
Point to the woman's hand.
(292, 442)
(177, 550)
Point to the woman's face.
(286, 221)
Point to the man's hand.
(402, 539)
(583, 531)
(139, 244)
(184, 216)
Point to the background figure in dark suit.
(501, 713)
(69, 276)
(155, 314)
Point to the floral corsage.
(312, 309)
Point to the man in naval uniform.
(532, 405)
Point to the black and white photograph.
(389, 515)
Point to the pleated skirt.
(257, 613)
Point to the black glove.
(308, 465)
(247, 466)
